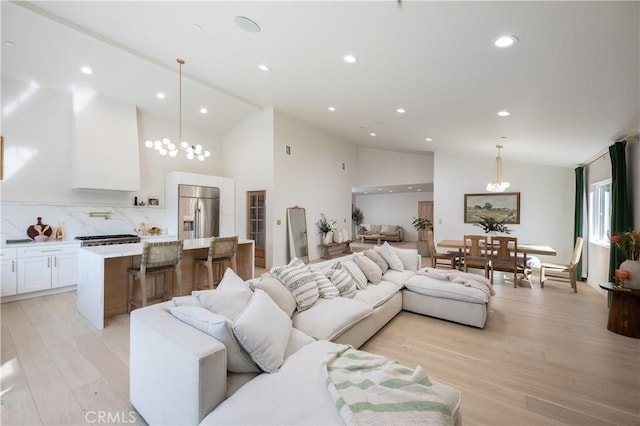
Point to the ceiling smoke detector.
(247, 24)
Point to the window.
(600, 201)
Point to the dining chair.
(222, 252)
(157, 259)
(504, 257)
(563, 272)
(442, 260)
(474, 254)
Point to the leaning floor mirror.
(297, 229)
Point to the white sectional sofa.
(179, 374)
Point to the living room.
(300, 162)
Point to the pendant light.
(498, 185)
(166, 146)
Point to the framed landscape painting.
(504, 207)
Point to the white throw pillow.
(389, 256)
(326, 288)
(369, 267)
(229, 298)
(356, 273)
(298, 279)
(219, 327)
(189, 300)
(375, 229)
(375, 256)
(277, 291)
(263, 330)
(389, 229)
(343, 281)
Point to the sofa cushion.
(219, 327)
(390, 256)
(277, 291)
(343, 281)
(263, 330)
(368, 267)
(326, 288)
(409, 258)
(375, 229)
(298, 279)
(389, 229)
(429, 286)
(302, 395)
(398, 277)
(329, 318)
(356, 273)
(229, 298)
(189, 300)
(377, 295)
(375, 256)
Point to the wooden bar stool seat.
(157, 259)
(222, 252)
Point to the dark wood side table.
(624, 313)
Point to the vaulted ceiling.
(571, 82)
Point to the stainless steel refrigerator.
(198, 211)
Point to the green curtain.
(620, 212)
(578, 218)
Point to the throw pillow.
(375, 256)
(389, 229)
(218, 327)
(189, 300)
(229, 298)
(326, 288)
(297, 278)
(389, 256)
(369, 267)
(343, 281)
(375, 229)
(263, 331)
(277, 291)
(356, 273)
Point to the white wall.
(382, 167)
(393, 209)
(546, 197)
(633, 169)
(248, 159)
(312, 178)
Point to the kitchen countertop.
(33, 243)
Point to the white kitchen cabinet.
(46, 267)
(9, 277)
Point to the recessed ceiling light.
(331, 109)
(391, 190)
(10, 43)
(504, 113)
(350, 59)
(379, 189)
(506, 41)
(365, 192)
(409, 187)
(419, 190)
(401, 111)
(372, 134)
(160, 95)
(247, 24)
(86, 70)
(429, 140)
(203, 110)
(197, 26)
(263, 67)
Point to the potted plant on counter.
(357, 217)
(422, 225)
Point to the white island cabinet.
(9, 264)
(103, 274)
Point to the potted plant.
(492, 225)
(629, 245)
(326, 229)
(357, 217)
(422, 224)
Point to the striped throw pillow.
(343, 281)
(356, 273)
(298, 279)
(326, 288)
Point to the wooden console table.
(335, 249)
(624, 312)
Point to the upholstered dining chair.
(440, 260)
(504, 257)
(474, 253)
(157, 259)
(222, 251)
(563, 272)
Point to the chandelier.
(498, 185)
(166, 146)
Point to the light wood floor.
(545, 357)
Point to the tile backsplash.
(76, 220)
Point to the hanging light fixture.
(498, 185)
(166, 146)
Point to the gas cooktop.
(100, 240)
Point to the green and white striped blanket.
(373, 390)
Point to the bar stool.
(157, 258)
(222, 251)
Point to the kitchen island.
(103, 277)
